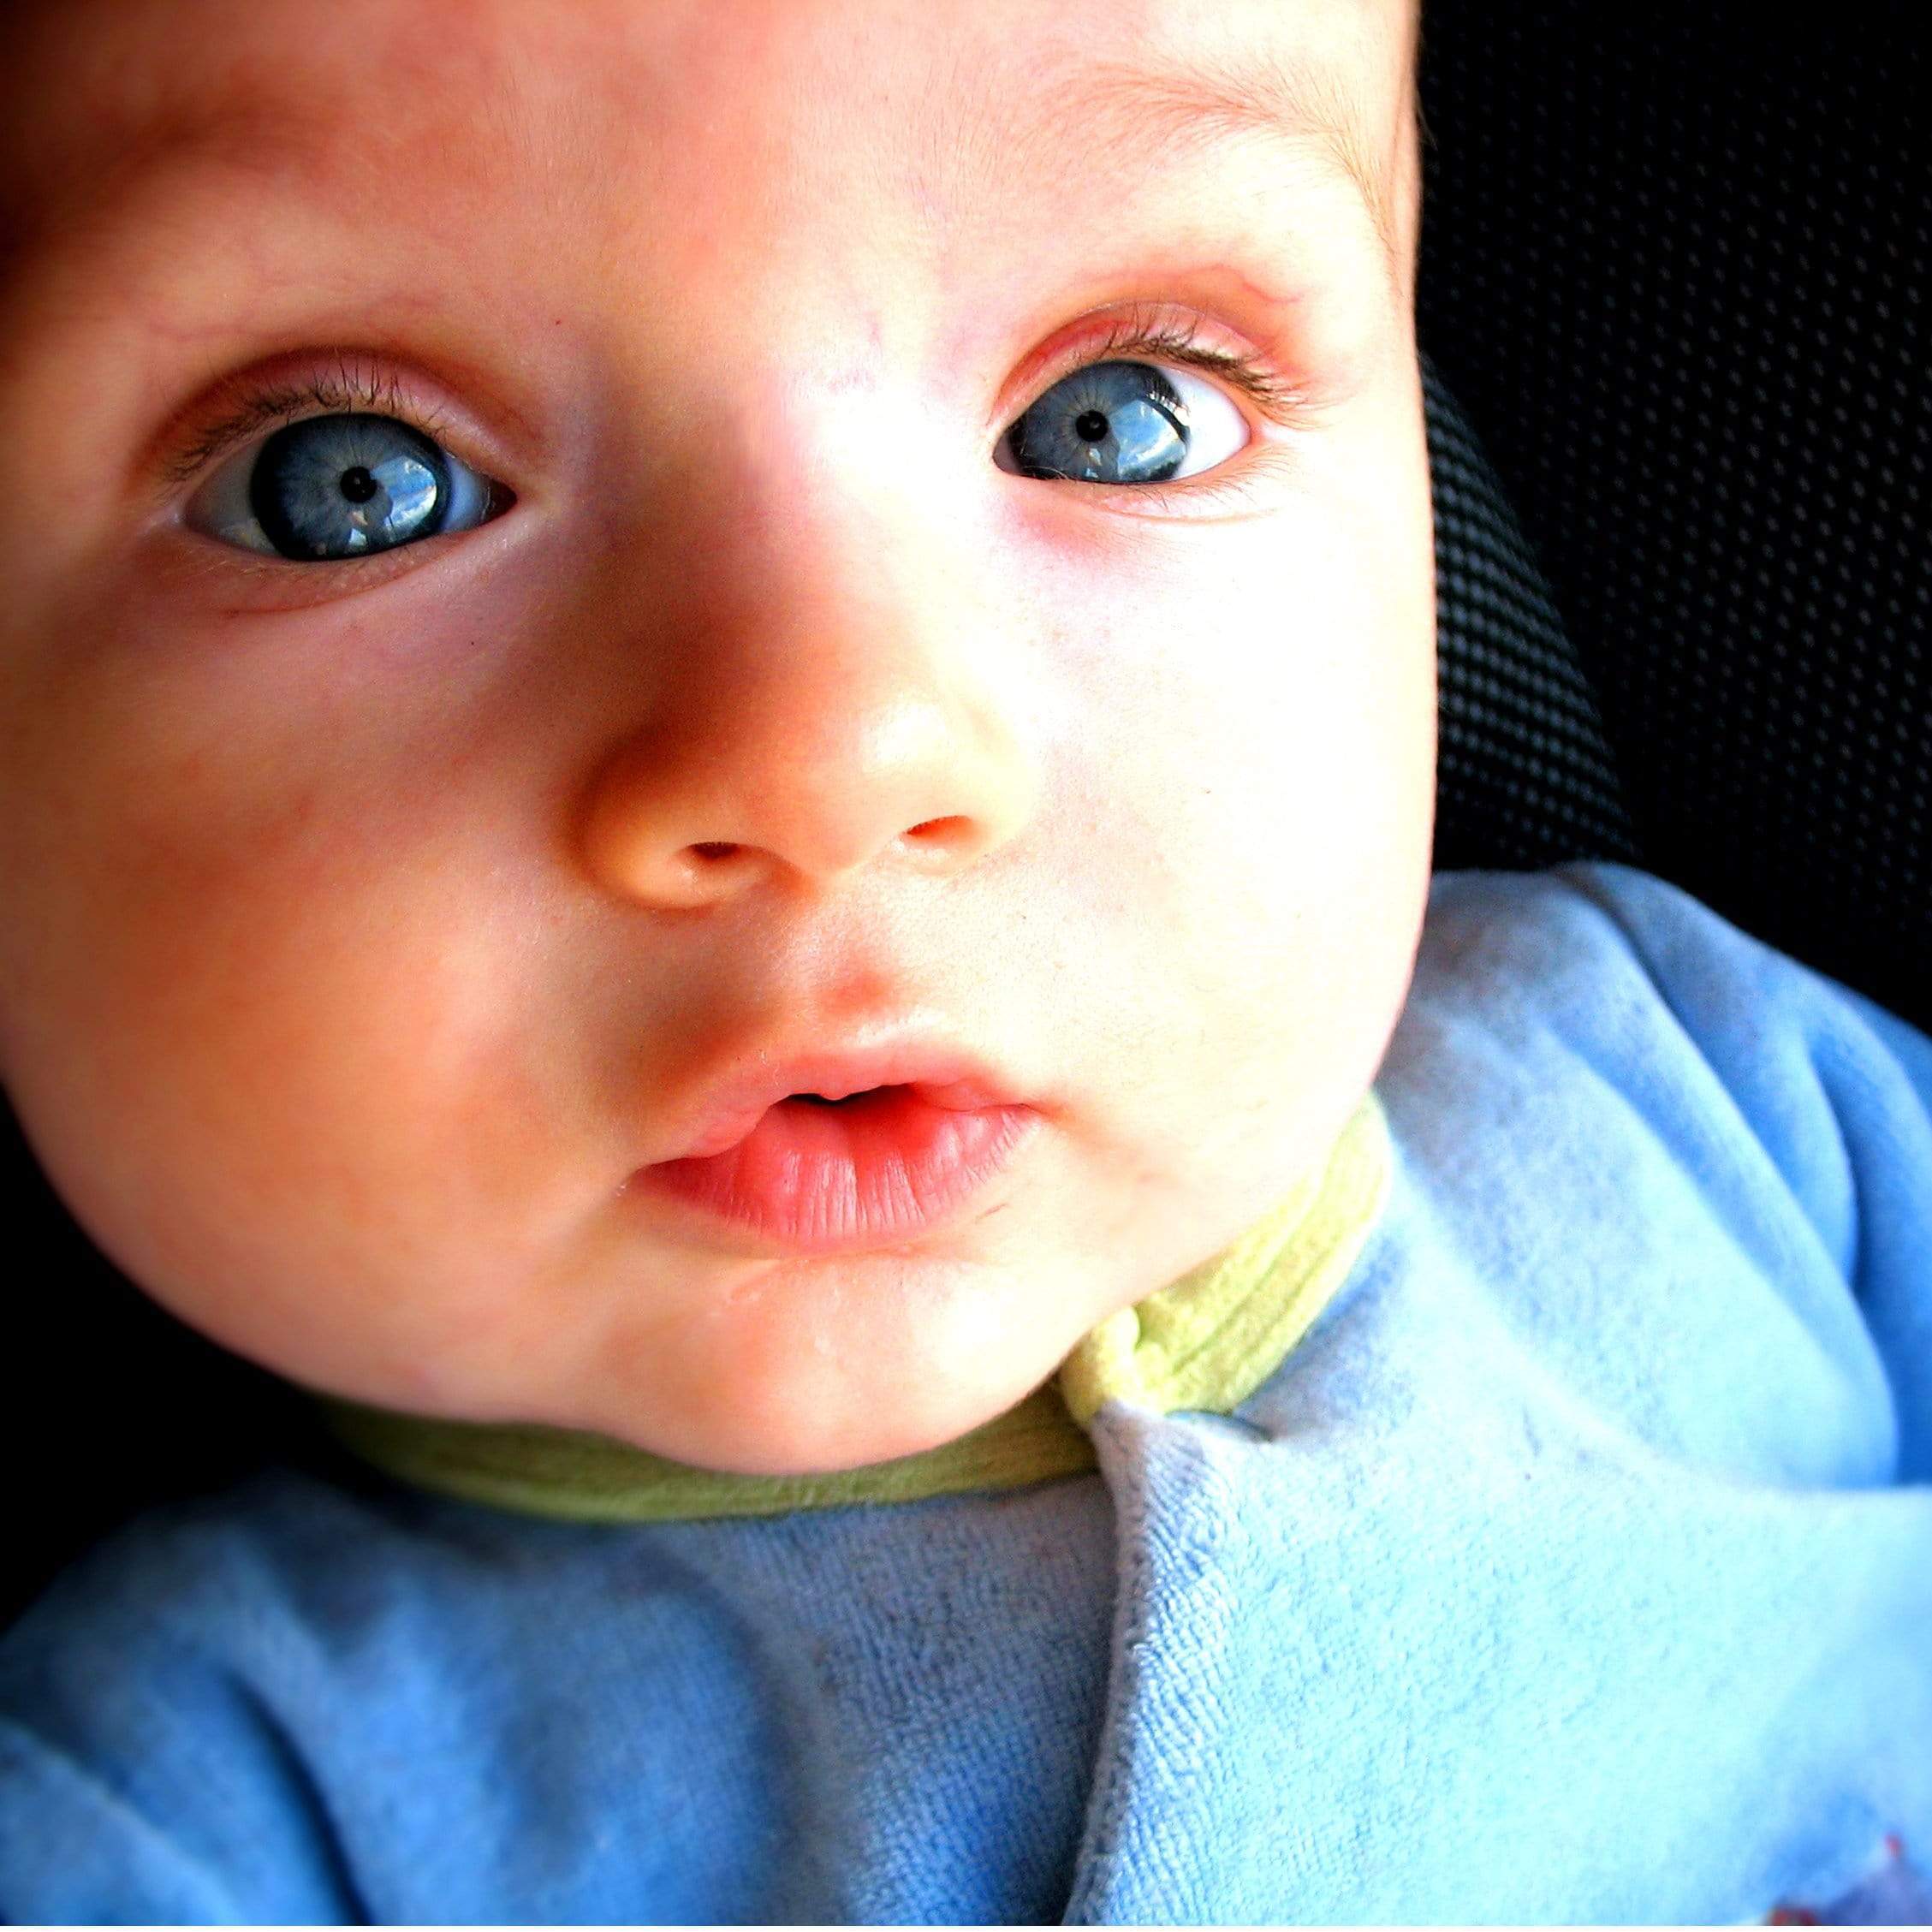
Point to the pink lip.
(922, 1133)
(819, 1180)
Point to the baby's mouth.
(820, 1173)
(850, 1085)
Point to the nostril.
(715, 849)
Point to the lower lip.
(819, 1180)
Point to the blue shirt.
(1576, 1565)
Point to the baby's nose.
(712, 803)
(801, 738)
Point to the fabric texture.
(1206, 1341)
(1575, 1565)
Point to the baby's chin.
(768, 1430)
(891, 1360)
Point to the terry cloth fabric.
(1206, 1341)
(1576, 1565)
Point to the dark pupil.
(348, 485)
(1113, 422)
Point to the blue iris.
(348, 485)
(1111, 422)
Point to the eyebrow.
(1111, 115)
(1121, 114)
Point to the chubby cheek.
(1271, 752)
(322, 1147)
(277, 1038)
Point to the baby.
(716, 801)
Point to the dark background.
(1675, 267)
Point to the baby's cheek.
(283, 1087)
(1288, 795)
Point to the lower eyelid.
(234, 583)
(1244, 486)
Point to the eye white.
(1216, 428)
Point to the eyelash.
(349, 386)
(1143, 334)
(1137, 334)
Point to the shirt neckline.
(1206, 1342)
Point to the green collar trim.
(1206, 1342)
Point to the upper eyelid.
(242, 405)
(1139, 339)
(1240, 371)
(274, 410)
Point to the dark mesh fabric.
(1675, 267)
(1524, 777)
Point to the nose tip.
(703, 822)
(710, 872)
(719, 868)
(932, 845)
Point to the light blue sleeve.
(1577, 1568)
(144, 1774)
(1837, 1090)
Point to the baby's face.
(688, 671)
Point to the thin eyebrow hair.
(1117, 111)
(1120, 113)
(1301, 103)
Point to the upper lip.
(732, 1101)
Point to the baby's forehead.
(988, 105)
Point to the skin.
(356, 953)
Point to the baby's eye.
(342, 486)
(1124, 422)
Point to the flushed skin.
(361, 947)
